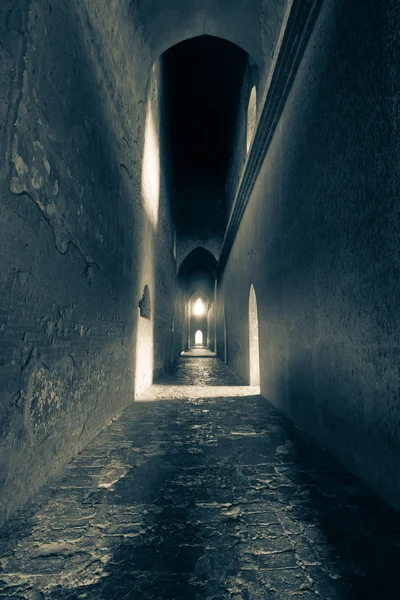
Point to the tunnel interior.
(197, 280)
(241, 154)
(204, 78)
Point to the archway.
(196, 279)
(254, 348)
(199, 308)
(198, 340)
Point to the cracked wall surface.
(319, 241)
(77, 245)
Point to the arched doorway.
(254, 348)
(198, 340)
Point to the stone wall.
(319, 241)
(82, 229)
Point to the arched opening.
(196, 278)
(254, 348)
(203, 84)
(251, 117)
(198, 340)
(199, 307)
(197, 257)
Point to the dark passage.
(183, 183)
(202, 493)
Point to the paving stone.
(201, 490)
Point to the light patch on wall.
(254, 352)
(144, 346)
(198, 308)
(251, 117)
(151, 167)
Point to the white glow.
(198, 338)
(151, 167)
(191, 392)
(254, 352)
(199, 307)
(144, 356)
(251, 117)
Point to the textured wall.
(253, 25)
(320, 243)
(80, 228)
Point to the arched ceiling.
(251, 24)
(199, 257)
(198, 272)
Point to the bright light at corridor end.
(199, 307)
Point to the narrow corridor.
(201, 490)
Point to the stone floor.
(202, 492)
(199, 351)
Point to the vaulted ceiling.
(251, 24)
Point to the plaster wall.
(319, 241)
(80, 232)
(239, 150)
(253, 25)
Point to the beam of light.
(198, 308)
(251, 117)
(151, 167)
(144, 356)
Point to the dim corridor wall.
(319, 240)
(78, 241)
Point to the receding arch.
(254, 347)
(167, 24)
(199, 295)
(198, 321)
(198, 257)
(181, 40)
(198, 338)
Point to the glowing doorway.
(254, 349)
(198, 338)
(199, 307)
